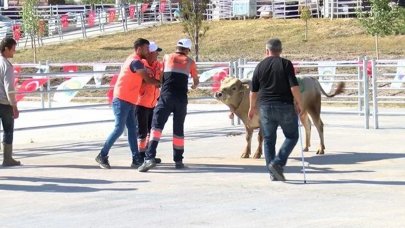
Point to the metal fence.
(370, 84)
(55, 21)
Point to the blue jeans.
(124, 113)
(272, 116)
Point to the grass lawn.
(339, 39)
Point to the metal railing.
(370, 84)
(58, 21)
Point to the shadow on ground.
(61, 185)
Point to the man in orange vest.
(173, 99)
(126, 92)
(147, 99)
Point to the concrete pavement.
(359, 182)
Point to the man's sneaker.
(277, 171)
(158, 160)
(103, 162)
(179, 165)
(147, 165)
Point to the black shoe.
(103, 161)
(136, 163)
(277, 171)
(272, 177)
(179, 165)
(147, 165)
(158, 160)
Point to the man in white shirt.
(8, 103)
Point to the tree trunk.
(377, 54)
(196, 46)
(34, 47)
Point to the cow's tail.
(338, 90)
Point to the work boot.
(179, 165)
(157, 160)
(103, 162)
(8, 156)
(277, 171)
(147, 165)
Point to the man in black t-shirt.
(274, 79)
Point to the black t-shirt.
(273, 79)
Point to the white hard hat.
(185, 43)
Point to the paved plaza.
(359, 182)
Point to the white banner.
(71, 84)
(326, 71)
(400, 76)
(98, 77)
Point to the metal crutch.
(302, 149)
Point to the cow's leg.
(246, 153)
(258, 153)
(316, 118)
(307, 127)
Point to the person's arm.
(253, 93)
(194, 75)
(297, 98)
(253, 101)
(10, 89)
(295, 89)
(138, 67)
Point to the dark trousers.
(167, 105)
(144, 126)
(7, 120)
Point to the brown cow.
(235, 94)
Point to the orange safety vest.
(128, 83)
(149, 93)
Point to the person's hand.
(252, 112)
(16, 113)
(298, 108)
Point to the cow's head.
(232, 91)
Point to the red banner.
(70, 68)
(111, 15)
(144, 7)
(132, 12)
(17, 32)
(162, 6)
(30, 85)
(91, 19)
(217, 79)
(17, 71)
(64, 21)
(110, 92)
(368, 69)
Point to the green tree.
(380, 21)
(192, 13)
(30, 21)
(401, 21)
(305, 14)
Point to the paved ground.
(358, 183)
